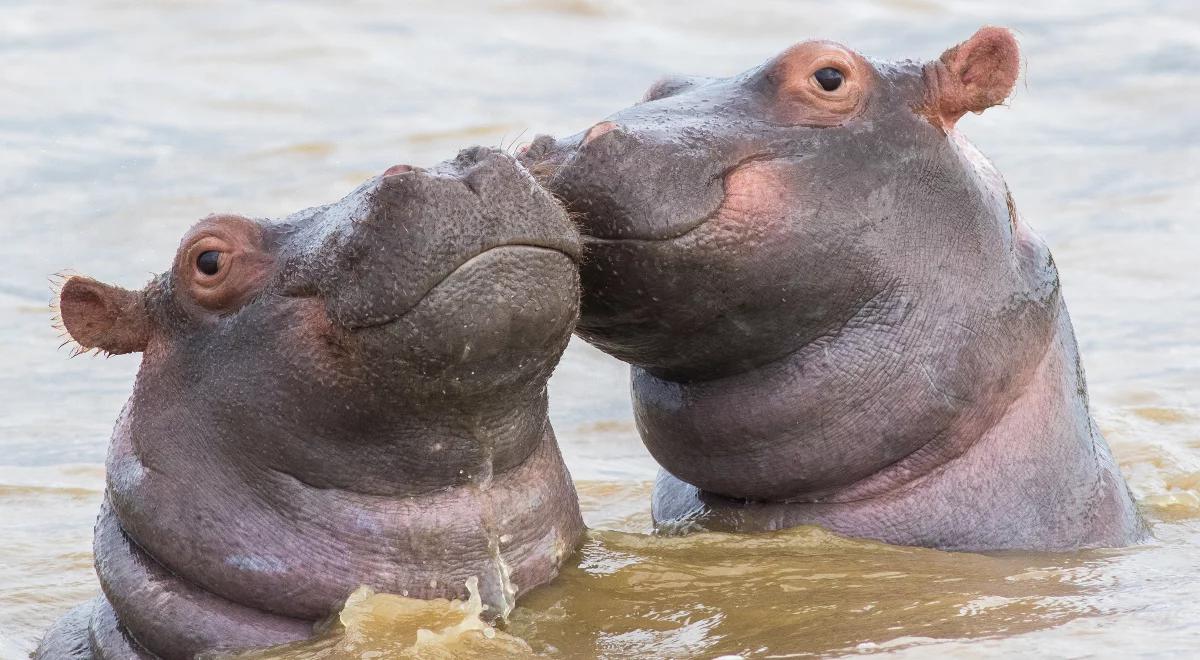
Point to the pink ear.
(975, 75)
(98, 315)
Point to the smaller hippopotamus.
(834, 312)
(352, 395)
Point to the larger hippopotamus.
(834, 313)
(353, 395)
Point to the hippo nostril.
(397, 169)
(598, 130)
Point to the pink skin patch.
(397, 169)
(598, 130)
(754, 209)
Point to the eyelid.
(828, 62)
(800, 99)
(242, 263)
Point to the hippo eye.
(828, 78)
(209, 262)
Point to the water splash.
(374, 625)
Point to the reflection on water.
(122, 123)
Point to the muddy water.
(121, 123)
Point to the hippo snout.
(622, 181)
(412, 229)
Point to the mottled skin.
(834, 313)
(357, 397)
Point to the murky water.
(123, 122)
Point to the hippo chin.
(834, 313)
(353, 395)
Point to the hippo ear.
(105, 317)
(672, 85)
(976, 74)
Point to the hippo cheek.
(720, 284)
(634, 281)
(757, 208)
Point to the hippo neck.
(278, 552)
(849, 415)
(1040, 477)
(422, 452)
(388, 444)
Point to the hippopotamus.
(352, 395)
(833, 311)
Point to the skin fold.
(352, 395)
(834, 313)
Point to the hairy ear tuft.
(977, 74)
(104, 317)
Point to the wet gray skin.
(356, 395)
(833, 311)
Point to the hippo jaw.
(463, 271)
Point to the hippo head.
(730, 221)
(813, 274)
(436, 299)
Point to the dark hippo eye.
(828, 78)
(208, 262)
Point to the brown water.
(121, 123)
